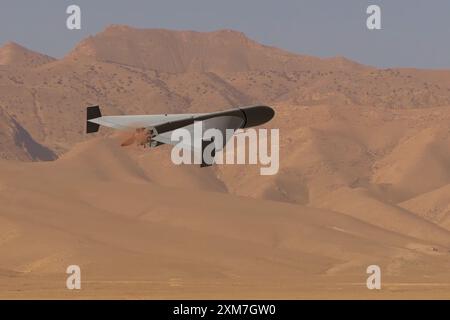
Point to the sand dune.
(433, 205)
(17, 143)
(359, 204)
(426, 151)
(134, 237)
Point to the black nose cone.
(257, 115)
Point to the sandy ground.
(134, 238)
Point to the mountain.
(189, 51)
(324, 110)
(13, 54)
(129, 70)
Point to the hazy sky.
(414, 32)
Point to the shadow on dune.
(36, 151)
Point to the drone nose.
(257, 115)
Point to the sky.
(414, 33)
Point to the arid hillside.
(127, 70)
(14, 55)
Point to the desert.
(363, 180)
